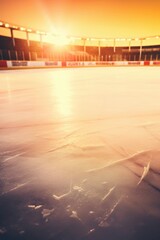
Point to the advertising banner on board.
(53, 63)
(17, 63)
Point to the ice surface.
(79, 153)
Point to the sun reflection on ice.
(62, 92)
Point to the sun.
(61, 40)
(60, 37)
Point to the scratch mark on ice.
(145, 172)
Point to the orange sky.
(88, 18)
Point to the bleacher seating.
(19, 49)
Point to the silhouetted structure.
(19, 49)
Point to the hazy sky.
(90, 18)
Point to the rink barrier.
(53, 64)
(4, 64)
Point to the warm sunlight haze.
(104, 18)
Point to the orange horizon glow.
(100, 19)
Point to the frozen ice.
(79, 153)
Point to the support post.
(114, 47)
(99, 50)
(27, 36)
(140, 50)
(84, 48)
(12, 36)
(129, 45)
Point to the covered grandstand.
(19, 43)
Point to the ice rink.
(80, 153)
